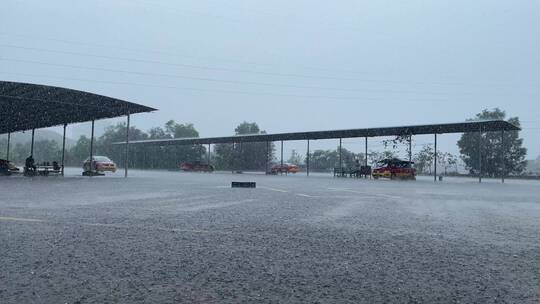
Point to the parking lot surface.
(171, 237)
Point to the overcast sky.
(287, 65)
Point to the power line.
(205, 67)
(359, 99)
(174, 54)
(214, 79)
(213, 68)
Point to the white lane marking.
(366, 193)
(305, 195)
(18, 219)
(389, 196)
(274, 189)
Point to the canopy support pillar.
(480, 155)
(340, 155)
(307, 159)
(410, 148)
(63, 148)
(503, 157)
(8, 142)
(232, 164)
(32, 144)
(92, 147)
(366, 154)
(208, 155)
(435, 160)
(267, 157)
(281, 169)
(126, 160)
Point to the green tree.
(492, 149)
(140, 156)
(244, 156)
(295, 158)
(423, 160)
(447, 161)
(158, 133)
(324, 160)
(375, 157)
(80, 151)
(117, 133)
(180, 154)
(47, 151)
(177, 130)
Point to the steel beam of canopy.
(126, 158)
(63, 148)
(92, 146)
(32, 144)
(503, 157)
(307, 159)
(435, 155)
(8, 142)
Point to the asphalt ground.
(171, 237)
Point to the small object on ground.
(440, 178)
(243, 185)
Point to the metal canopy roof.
(461, 127)
(25, 106)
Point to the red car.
(395, 169)
(285, 168)
(196, 167)
(99, 164)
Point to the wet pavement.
(170, 237)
